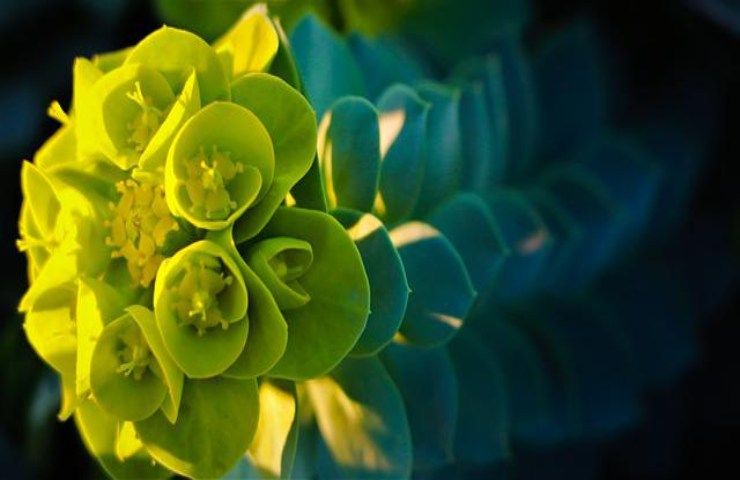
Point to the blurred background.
(660, 54)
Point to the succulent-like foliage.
(166, 273)
(299, 256)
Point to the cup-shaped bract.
(280, 262)
(220, 163)
(200, 302)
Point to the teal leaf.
(442, 150)
(572, 87)
(488, 73)
(524, 373)
(324, 330)
(467, 223)
(349, 154)
(363, 424)
(482, 434)
(584, 197)
(479, 168)
(325, 63)
(291, 124)
(426, 379)
(521, 103)
(217, 421)
(389, 291)
(526, 239)
(384, 62)
(403, 126)
(441, 290)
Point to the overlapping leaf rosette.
(167, 271)
(505, 179)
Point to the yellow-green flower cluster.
(166, 273)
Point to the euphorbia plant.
(167, 271)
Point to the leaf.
(324, 330)
(526, 239)
(250, 44)
(217, 348)
(482, 434)
(630, 175)
(99, 432)
(174, 53)
(384, 62)
(521, 104)
(442, 150)
(583, 196)
(480, 168)
(274, 446)
(468, 224)
(217, 421)
(488, 72)
(349, 154)
(291, 124)
(389, 291)
(403, 126)
(426, 380)
(572, 88)
(524, 373)
(243, 146)
(319, 50)
(441, 292)
(362, 420)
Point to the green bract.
(167, 271)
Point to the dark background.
(691, 429)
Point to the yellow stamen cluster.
(139, 228)
(196, 295)
(207, 182)
(146, 123)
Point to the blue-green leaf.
(389, 291)
(441, 291)
(403, 126)
(384, 62)
(468, 224)
(362, 420)
(526, 239)
(482, 434)
(571, 81)
(431, 400)
(349, 154)
(325, 63)
(442, 153)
